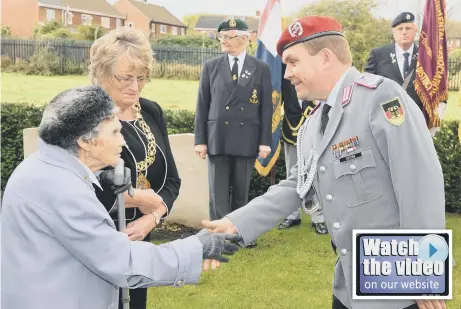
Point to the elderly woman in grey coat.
(60, 248)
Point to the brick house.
(69, 12)
(208, 24)
(155, 21)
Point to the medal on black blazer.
(142, 182)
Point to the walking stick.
(118, 180)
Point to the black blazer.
(167, 183)
(295, 115)
(380, 63)
(234, 120)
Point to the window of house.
(130, 24)
(50, 15)
(449, 43)
(118, 23)
(174, 30)
(162, 29)
(86, 19)
(458, 42)
(183, 32)
(152, 27)
(105, 22)
(69, 18)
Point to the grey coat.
(397, 182)
(60, 248)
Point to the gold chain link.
(151, 143)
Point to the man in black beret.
(397, 60)
(233, 119)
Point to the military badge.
(234, 77)
(232, 23)
(393, 112)
(295, 29)
(393, 57)
(254, 97)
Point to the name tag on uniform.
(351, 157)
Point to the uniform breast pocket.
(357, 178)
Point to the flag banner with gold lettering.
(431, 82)
(270, 30)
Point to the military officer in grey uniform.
(233, 120)
(296, 112)
(365, 151)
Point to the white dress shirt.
(401, 58)
(241, 59)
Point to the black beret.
(233, 24)
(404, 17)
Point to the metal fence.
(171, 61)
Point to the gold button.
(227, 107)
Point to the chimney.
(258, 13)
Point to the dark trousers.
(138, 297)
(338, 305)
(229, 183)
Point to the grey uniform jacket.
(234, 120)
(396, 183)
(60, 248)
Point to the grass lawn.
(19, 88)
(289, 269)
(170, 94)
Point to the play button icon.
(433, 248)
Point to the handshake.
(218, 238)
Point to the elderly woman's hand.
(138, 229)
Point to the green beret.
(233, 24)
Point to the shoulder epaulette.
(369, 80)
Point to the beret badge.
(295, 29)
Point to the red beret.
(307, 28)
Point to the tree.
(190, 21)
(361, 28)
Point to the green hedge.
(15, 117)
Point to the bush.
(6, 62)
(16, 117)
(448, 148)
(44, 62)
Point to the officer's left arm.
(408, 150)
(265, 108)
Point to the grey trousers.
(290, 161)
(229, 183)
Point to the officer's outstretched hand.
(223, 225)
(264, 151)
(215, 245)
(108, 176)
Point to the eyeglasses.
(126, 81)
(226, 37)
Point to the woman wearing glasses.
(121, 63)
